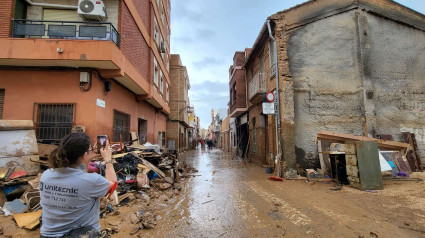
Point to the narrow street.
(230, 198)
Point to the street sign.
(270, 97)
(268, 108)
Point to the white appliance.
(92, 10)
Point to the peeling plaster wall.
(394, 57)
(337, 61)
(327, 84)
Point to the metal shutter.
(60, 15)
(2, 91)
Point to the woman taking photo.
(69, 195)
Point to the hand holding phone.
(101, 142)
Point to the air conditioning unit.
(162, 47)
(92, 10)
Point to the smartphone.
(101, 142)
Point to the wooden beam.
(341, 138)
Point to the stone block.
(352, 171)
(350, 149)
(351, 160)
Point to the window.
(156, 32)
(163, 51)
(163, 138)
(53, 121)
(121, 126)
(155, 72)
(160, 138)
(161, 82)
(167, 93)
(2, 93)
(161, 10)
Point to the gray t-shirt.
(70, 199)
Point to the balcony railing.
(257, 85)
(74, 30)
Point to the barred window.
(53, 121)
(121, 126)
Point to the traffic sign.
(270, 97)
(268, 108)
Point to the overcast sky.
(206, 33)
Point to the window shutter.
(61, 15)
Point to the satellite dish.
(86, 6)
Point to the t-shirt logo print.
(41, 186)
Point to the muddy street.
(230, 198)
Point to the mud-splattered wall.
(353, 65)
(394, 57)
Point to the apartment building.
(238, 104)
(98, 65)
(343, 66)
(178, 121)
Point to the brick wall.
(6, 15)
(134, 46)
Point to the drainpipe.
(277, 116)
(49, 5)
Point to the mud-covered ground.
(230, 198)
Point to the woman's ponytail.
(70, 149)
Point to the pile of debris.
(144, 172)
(364, 162)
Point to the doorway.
(143, 131)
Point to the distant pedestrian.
(210, 143)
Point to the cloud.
(184, 13)
(206, 61)
(205, 33)
(182, 40)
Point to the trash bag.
(128, 164)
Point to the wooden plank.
(342, 138)
(153, 167)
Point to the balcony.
(72, 30)
(257, 86)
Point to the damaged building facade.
(102, 67)
(346, 66)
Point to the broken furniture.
(356, 159)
